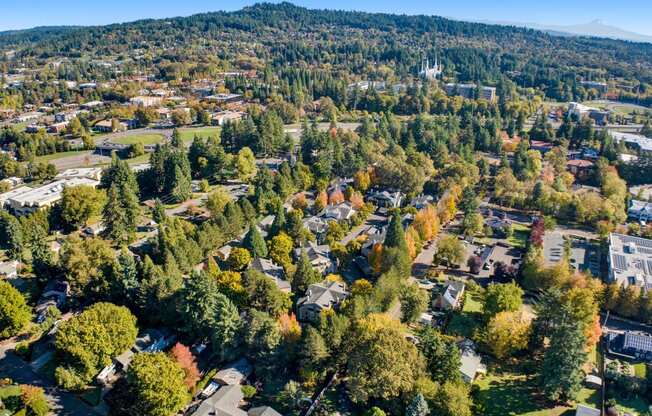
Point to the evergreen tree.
(305, 274)
(11, 235)
(395, 237)
(121, 211)
(279, 222)
(418, 406)
(181, 185)
(254, 242)
(443, 359)
(158, 212)
(225, 327)
(561, 372)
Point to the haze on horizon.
(631, 15)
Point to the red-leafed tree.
(182, 355)
(538, 230)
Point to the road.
(373, 219)
(62, 402)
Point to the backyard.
(519, 235)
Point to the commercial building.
(469, 91)
(146, 101)
(630, 260)
(580, 111)
(25, 200)
(633, 141)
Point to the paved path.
(62, 402)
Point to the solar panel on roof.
(637, 342)
(620, 262)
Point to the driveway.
(62, 402)
(373, 219)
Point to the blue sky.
(633, 15)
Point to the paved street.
(373, 219)
(19, 371)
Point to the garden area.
(519, 236)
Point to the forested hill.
(284, 34)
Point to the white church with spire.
(429, 73)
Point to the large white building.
(25, 200)
(634, 141)
(630, 260)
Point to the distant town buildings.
(580, 111)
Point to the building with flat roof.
(469, 91)
(633, 141)
(630, 260)
(25, 200)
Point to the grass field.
(619, 108)
(519, 236)
(147, 138)
(465, 322)
(506, 391)
(55, 156)
(188, 134)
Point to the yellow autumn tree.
(507, 333)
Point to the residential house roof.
(586, 411)
(263, 411)
(224, 402)
(471, 362)
(234, 373)
(271, 270)
(324, 295)
(339, 212)
(451, 296)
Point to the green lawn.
(146, 138)
(139, 159)
(465, 322)
(510, 392)
(54, 156)
(187, 134)
(519, 236)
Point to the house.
(541, 146)
(421, 201)
(339, 212)
(640, 210)
(471, 362)
(12, 181)
(149, 341)
(9, 269)
(583, 410)
(54, 294)
(499, 226)
(234, 373)
(320, 296)
(316, 225)
(450, 297)
(319, 256)
(273, 271)
(385, 199)
(630, 261)
(582, 169)
(224, 98)
(224, 402)
(630, 344)
(106, 126)
(263, 411)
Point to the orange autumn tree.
(300, 202)
(321, 201)
(336, 197)
(376, 257)
(290, 328)
(182, 355)
(356, 200)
